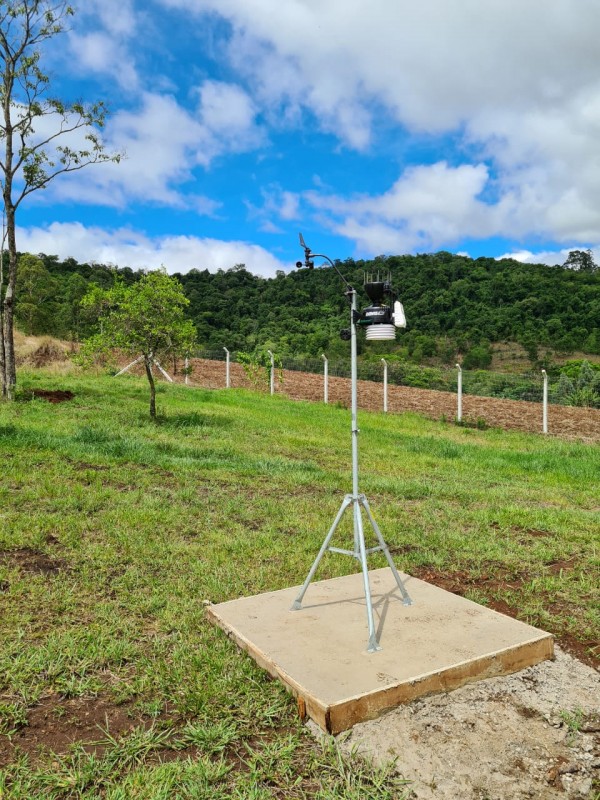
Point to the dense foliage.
(146, 320)
(454, 305)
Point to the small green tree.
(146, 320)
(257, 367)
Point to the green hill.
(454, 305)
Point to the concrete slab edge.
(338, 717)
(347, 713)
(308, 705)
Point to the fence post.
(459, 394)
(227, 380)
(325, 378)
(385, 385)
(187, 366)
(545, 403)
(272, 371)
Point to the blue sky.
(374, 126)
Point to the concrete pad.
(440, 642)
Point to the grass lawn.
(114, 530)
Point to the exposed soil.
(564, 421)
(52, 395)
(54, 724)
(535, 734)
(41, 351)
(33, 562)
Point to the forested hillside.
(453, 305)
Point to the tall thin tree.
(38, 134)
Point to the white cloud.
(433, 63)
(163, 143)
(427, 207)
(550, 257)
(101, 37)
(226, 108)
(515, 82)
(129, 248)
(100, 52)
(118, 16)
(228, 119)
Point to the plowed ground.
(564, 421)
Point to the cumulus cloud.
(164, 137)
(227, 117)
(100, 40)
(427, 207)
(130, 248)
(516, 83)
(118, 16)
(433, 63)
(550, 257)
(99, 52)
(162, 143)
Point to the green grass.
(230, 493)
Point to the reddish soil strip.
(563, 421)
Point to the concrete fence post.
(385, 385)
(459, 394)
(227, 376)
(545, 403)
(325, 378)
(272, 371)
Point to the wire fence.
(527, 386)
(533, 401)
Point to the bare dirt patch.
(54, 724)
(529, 735)
(33, 562)
(85, 465)
(52, 395)
(564, 421)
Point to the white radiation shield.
(380, 333)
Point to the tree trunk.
(10, 368)
(2, 352)
(150, 376)
(9, 371)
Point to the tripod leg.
(405, 596)
(373, 645)
(297, 605)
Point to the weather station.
(380, 320)
(311, 637)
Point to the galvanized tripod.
(358, 502)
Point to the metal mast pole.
(358, 501)
(354, 394)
